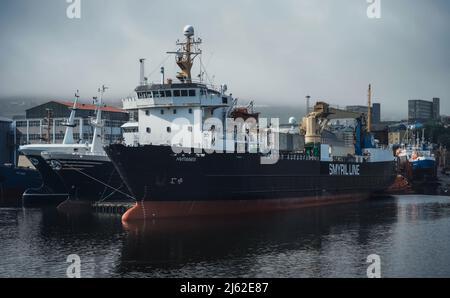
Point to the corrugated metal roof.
(91, 107)
(4, 119)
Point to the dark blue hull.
(89, 178)
(14, 181)
(51, 191)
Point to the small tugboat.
(52, 190)
(199, 154)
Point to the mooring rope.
(101, 182)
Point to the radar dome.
(292, 121)
(188, 31)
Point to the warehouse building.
(45, 123)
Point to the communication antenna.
(186, 54)
(369, 110)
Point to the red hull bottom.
(148, 210)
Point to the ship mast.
(186, 54)
(369, 110)
(97, 123)
(68, 136)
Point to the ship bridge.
(177, 95)
(171, 110)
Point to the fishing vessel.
(416, 159)
(200, 154)
(88, 176)
(52, 190)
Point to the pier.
(112, 207)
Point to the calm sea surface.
(411, 234)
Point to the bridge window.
(169, 129)
(176, 93)
(162, 112)
(149, 130)
(155, 94)
(224, 100)
(168, 93)
(192, 92)
(190, 111)
(162, 94)
(147, 112)
(184, 93)
(175, 111)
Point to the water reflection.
(166, 245)
(410, 233)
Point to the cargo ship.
(200, 154)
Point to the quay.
(112, 207)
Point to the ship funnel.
(162, 75)
(142, 80)
(308, 98)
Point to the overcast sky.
(273, 52)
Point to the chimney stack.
(142, 80)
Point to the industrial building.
(397, 134)
(424, 111)
(45, 123)
(376, 111)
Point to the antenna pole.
(369, 110)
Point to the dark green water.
(411, 234)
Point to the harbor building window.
(35, 123)
(192, 92)
(184, 93)
(149, 130)
(176, 93)
(21, 124)
(169, 129)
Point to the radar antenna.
(185, 55)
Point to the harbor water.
(410, 234)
